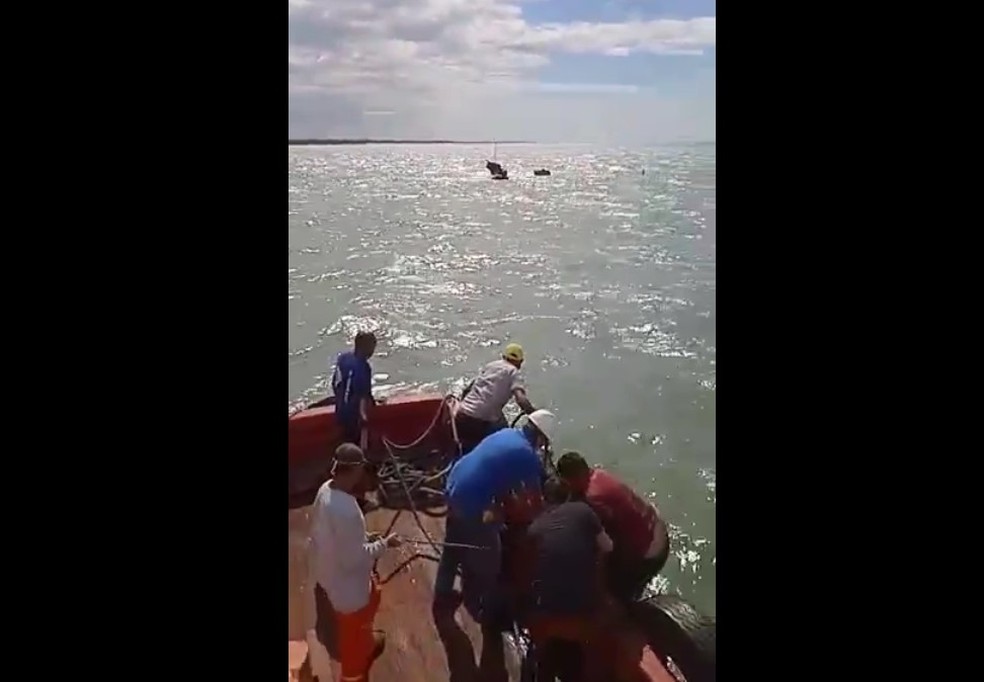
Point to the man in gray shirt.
(564, 596)
(480, 411)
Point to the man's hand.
(491, 516)
(392, 540)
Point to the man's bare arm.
(605, 543)
(519, 394)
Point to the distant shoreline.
(340, 141)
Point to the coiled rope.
(420, 476)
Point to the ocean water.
(605, 275)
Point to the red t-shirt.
(628, 519)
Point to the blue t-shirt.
(351, 382)
(502, 462)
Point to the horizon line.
(361, 140)
(301, 142)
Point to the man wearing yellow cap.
(480, 411)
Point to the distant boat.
(541, 171)
(497, 171)
(495, 168)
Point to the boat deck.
(417, 650)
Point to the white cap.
(544, 421)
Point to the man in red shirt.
(642, 543)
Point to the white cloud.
(660, 36)
(586, 87)
(448, 63)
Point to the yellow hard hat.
(513, 352)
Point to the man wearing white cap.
(502, 465)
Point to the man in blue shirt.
(501, 465)
(351, 383)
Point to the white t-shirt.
(492, 390)
(341, 557)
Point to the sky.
(552, 71)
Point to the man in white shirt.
(480, 411)
(342, 565)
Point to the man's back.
(563, 542)
(491, 391)
(338, 531)
(502, 462)
(351, 381)
(628, 519)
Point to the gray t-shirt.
(564, 543)
(491, 391)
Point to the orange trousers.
(355, 639)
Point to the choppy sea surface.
(604, 273)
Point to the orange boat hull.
(313, 434)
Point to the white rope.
(449, 402)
